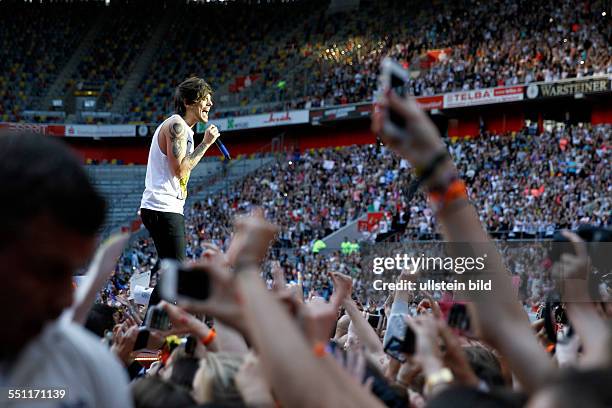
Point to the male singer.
(172, 156)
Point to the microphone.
(223, 149)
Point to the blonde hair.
(214, 380)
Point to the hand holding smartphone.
(401, 338)
(183, 283)
(157, 318)
(143, 339)
(401, 124)
(395, 78)
(459, 319)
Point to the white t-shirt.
(67, 355)
(163, 190)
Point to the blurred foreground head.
(50, 216)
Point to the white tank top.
(163, 190)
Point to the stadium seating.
(270, 57)
(36, 42)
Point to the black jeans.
(168, 233)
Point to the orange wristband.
(455, 190)
(210, 337)
(319, 349)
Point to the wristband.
(319, 349)
(210, 337)
(425, 172)
(440, 198)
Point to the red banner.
(430, 102)
(51, 130)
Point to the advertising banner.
(483, 96)
(50, 130)
(293, 117)
(100, 131)
(430, 102)
(567, 88)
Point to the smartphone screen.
(399, 87)
(401, 338)
(374, 319)
(157, 318)
(193, 284)
(142, 340)
(458, 318)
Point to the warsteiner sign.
(568, 88)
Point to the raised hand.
(124, 338)
(251, 383)
(343, 287)
(421, 141)
(252, 238)
(223, 302)
(211, 134)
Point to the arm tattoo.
(194, 158)
(177, 139)
(177, 129)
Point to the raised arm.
(181, 163)
(289, 362)
(503, 323)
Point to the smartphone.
(157, 318)
(190, 345)
(374, 320)
(183, 283)
(401, 338)
(459, 318)
(394, 77)
(142, 340)
(555, 317)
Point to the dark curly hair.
(190, 91)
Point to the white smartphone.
(393, 76)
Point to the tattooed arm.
(182, 163)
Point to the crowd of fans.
(260, 338)
(229, 40)
(335, 59)
(526, 186)
(276, 318)
(296, 55)
(470, 45)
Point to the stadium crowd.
(248, 343)
(296, 55)
(469, 45)
(336, 58)
(527, 186)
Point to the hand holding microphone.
(212, 136)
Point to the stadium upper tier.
(284, 55)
